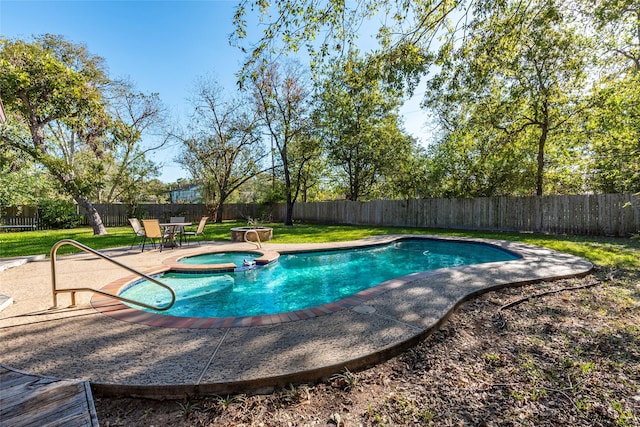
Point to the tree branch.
(538, 295)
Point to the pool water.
(236, 258)
(304, 280)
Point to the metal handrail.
(73, 291)
(259, 244)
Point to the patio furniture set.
(168, 234)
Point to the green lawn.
(609, 252)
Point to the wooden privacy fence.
(117, 215)
(601, 214)
(598, 214)
(16, 218)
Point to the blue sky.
(160, 46)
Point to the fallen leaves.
(568, 353)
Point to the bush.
(58, 214)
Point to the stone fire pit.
(238, 233)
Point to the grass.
(606, 252)
(24, 243)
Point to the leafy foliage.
(69, 118)
(331, 28)
(22, 183)
(504, 97)
(223, 149)
(282, 98)
(614, 132)
(358, 118)
(52, 88)
(59, 214)
(528, 98)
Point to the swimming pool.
(308, 279)
(237, 258)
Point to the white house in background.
(188, 193)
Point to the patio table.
(172, 228)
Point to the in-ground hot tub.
(238, 234)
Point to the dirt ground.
(565, 353)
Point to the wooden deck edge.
(30, 399)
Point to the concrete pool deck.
(123, 357)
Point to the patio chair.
(199, 231)
(178, 230)
(153, 231)
(137, 229)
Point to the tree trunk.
(219, 214)
(217, 206)
(288, 218)
(540, 172)
(289, 214)
(214, 211)
(94, 216)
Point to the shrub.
(56, 213)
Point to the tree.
(53, 88)
(614, 127)
(360, 126)
(224, 149)
(155, 191)
(513, 86)
(127, 167)
(22, 183)
(328, 28)
(614, 133)
(282, 100)
(82, 128)
(617, 23)
(472, 162)
(559, 147)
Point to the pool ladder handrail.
(258, 243)
(56, 291)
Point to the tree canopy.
(64, 113)
(358, 120)
(510, 90)
(282, 99)
(523, 98)
(223, 148)
(53, 88)
(526, 97)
